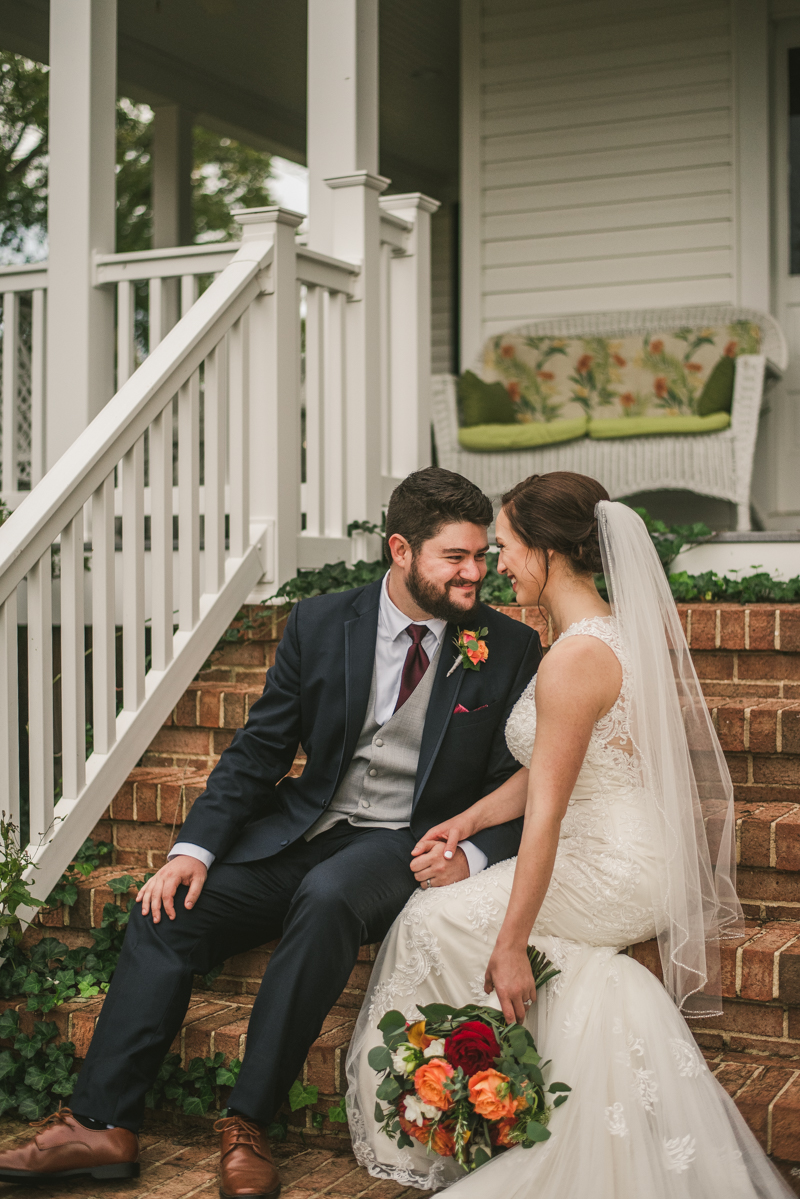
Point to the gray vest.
(378, 789)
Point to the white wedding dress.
(646, 1119)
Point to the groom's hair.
(429, 499)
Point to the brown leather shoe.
(63, 1147)
(246, 1166)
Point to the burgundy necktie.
(415, 665)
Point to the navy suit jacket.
(316, 695)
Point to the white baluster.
(40, 697)
(386, 357)
(73, 690)
(188, 292)
(239, 424)
(189, 502)
(37, 385)
(315, 408)
(161, 539)
(10, 388)
(133, 577)
(9, 725)
(335, 449)
(215, 457)
(126, 354)
(104, 668)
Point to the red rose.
(473, 1047)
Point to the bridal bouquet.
(462, 1082)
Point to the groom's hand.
(432, 869)
(159, 891)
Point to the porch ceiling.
(240, 65)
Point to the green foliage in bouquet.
(462, 1082)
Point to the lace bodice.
(610, 758)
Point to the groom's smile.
(443, 578)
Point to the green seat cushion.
(482, 403)
(661, 426)
(490, 437)
(717, 394)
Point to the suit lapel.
(444, 696)
(360, 635)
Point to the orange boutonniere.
(471, 649)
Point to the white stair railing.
(58, 549)
(104, 619)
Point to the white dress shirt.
(391, 649)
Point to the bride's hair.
(556, 511)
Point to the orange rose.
(480, 654)
(656, 347)
(490, 1092)
(627, 400)
(499, 1133)
(583, 363)
(417, 1035)
(694, 366)
(443, 1141)
(423, 1134)
(620, 361)
(660, 386)
(429, 1082)
(513, 390)
(730, 349)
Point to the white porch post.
(172, 176)
(344, 217)
(80, 317)
(275, 395)
(409, 347)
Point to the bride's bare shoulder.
(579, 668)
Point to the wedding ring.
(527, 1002)
(426, 884)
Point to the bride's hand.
(460, 828)
(509, 974)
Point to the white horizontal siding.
(606, 156)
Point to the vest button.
(373, 773)
(378, 742)
(364, 803)
(284, 842)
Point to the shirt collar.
(392, 622)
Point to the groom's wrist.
(192, 851)
(476, 858)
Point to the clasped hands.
(437, 860)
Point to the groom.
(399, 735)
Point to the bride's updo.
(556, 512)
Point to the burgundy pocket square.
(459, 708)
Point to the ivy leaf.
(121, 885)
(337, 1113)
(276, 1131)
(317, 1120)
(193, 1105)
(9, 1024)
(33, 1106)
(300, 1096)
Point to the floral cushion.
(644, 375)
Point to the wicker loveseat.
(717, 464)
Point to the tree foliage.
(23, 151)
(226, 174)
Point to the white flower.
(404, 1060)
(435, 1049)
(417, 1111)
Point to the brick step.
(765, 1086)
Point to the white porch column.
(275, 394)
(80, 216)
(409, 350)
(342, 133)
(344, 218)
(172, 176)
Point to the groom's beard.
(437, 601)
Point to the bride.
(619, 764)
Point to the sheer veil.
(685, 776)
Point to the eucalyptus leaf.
(537, 1132)
(380, 1058)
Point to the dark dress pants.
(324, 898)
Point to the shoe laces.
(242, 1132)
(60, 1116)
